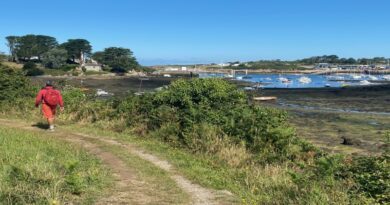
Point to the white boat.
(167, 75)
(265, 98)
(371, 77)
(282, 79)
(100, 92)
(386, 77)
(229, 76)
(304, 80)
(239, 78)
(357, 77)
(365, 82)
(249, 88)
(335, 77)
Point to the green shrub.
(31, 69)
(68, 67)
(13, 84)
(29, 66)
(372, 175)
(214, 101)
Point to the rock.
(350, 141)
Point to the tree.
(44, 44)
(27, 47)
(351, 61)
(119, 59)
(98, 56)
(77, 49)
(12, 42)
(55, 58)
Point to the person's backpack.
(51, 97)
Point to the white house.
(92, 67)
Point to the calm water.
(304, 81)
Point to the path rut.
(128, 188)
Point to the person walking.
(50, 98)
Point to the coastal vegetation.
(36, 169)
(334, 59)
(211, 132)
(51, 55)
(302, 64)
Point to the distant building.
(171, 69)
(93, 67)
(224, 64)
(322, 66)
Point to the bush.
(68, 67)
(371, 175)
(55, 58)
(214, 101)
(31, 69)
(35, 72)
(29, 66)
(13, 84)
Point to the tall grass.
(35, 169)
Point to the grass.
(156, 182)
(54, 72)
(36, 169)
(12, 65)
(252, 184)
(270, 184)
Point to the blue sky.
(201, 31)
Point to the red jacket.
(39, 98)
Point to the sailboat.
(386, 77)
(284, 80)
(304, 80)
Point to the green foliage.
(55, 58)
(334, 59)
(29, 66)
(68, 67)
(270, 64)
(31, 69)
(11, 43)
(119, 59)
(35, 169)
(216, 102)
(28, 46)
(77, 48)
(372, 175)
(13, 84)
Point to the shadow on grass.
(41, 125)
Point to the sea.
(304, 80)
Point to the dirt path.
(129, 189)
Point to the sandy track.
(129, 189)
